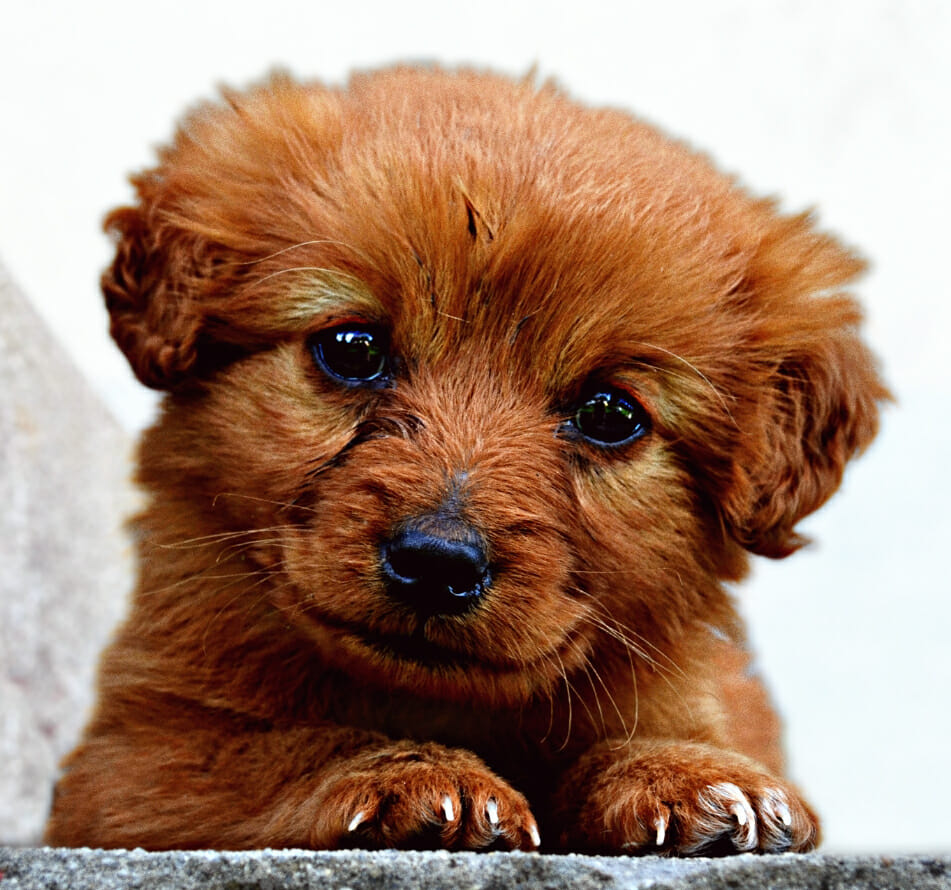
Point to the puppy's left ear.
(149, 292)
(177, 262)
(819, 405)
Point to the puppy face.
(488, 386)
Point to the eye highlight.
(354, 353)
(609, 417)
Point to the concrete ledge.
(53, 869)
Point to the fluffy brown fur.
(513, 252)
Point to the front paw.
(421, 797)
(680, 799)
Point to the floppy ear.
(181, 248)
(151, 292)
(203, 215)
(819, 407)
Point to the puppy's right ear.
(151, 292)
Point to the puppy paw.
(686, 800)
(422, 797)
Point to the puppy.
(476, 398)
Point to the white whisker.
(720, 397)
(291, 247)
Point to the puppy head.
(494, 380)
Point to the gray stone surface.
(64, 562)
(265, 870)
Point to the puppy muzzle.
(436, 564)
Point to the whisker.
(551, 710)
(250, 497)
(225, 606)
(202, 576)
(568, 691)
(223, 537)
(588, 670)
(634, 649)
(290, 269)
(629, 734)
(453, 317)
(296, 246)
(720, 397)
(637, 698)
(236, 550)
(628, 636)
(605, 571)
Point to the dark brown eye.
(353, 353)
(611, 417)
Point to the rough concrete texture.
(267, 869)
(64, 562)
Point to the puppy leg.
(678, 798)
(324, 788)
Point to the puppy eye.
(611, 417)
(354, 354)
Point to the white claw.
(356, 821)
(661, 826)
(784, 814)
(447, 809)
(739, 811)
(535, 836)
(727, 798)
(777, 807)
(492, 811)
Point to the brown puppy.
(476, 398)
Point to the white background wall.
(842, 104)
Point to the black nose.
(438, 566)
